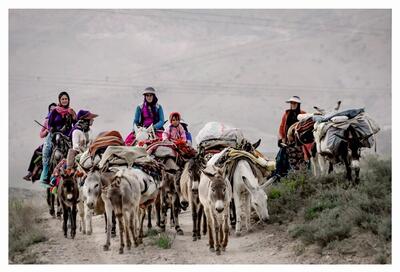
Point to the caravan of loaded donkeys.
(157, 169)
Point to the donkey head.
(258, 199)
(143, 133)
(249, 147)
(68, 186)
(218, 190)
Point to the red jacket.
(282, 135)
(282, 128)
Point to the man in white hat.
(288, 119)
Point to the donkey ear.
(209, 172)
(247, 184)
(257, 144)
(269, 182)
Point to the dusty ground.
(266, 244)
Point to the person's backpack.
(187, 133)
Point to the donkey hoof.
(238, 234)
(223, 248)
(89, 232)
(194, 238)
(121, 251)
(106, 247)
(212, 249)
(218, 252)
(198, 237)
(84, 232)
(65, 235)
(179, 232)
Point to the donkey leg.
(226, 233)
(199, 211)
(175, 210)
(88, 221)
(149, 210)
(114, 225)
(204, 221)
(127, 222)
(121, 233)
(143, 215)
(49, 197)
(348, 168)
(164, 209)
(247, 213)
(210, 230)
(194, 220)
(59, 207)
(232, 213)
(109, 211)
(132, 227)
(217, 228)
(65, 222)
(81, 211)
(73, 221)
(238, 210)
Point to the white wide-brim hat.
(149, 90)
(295, 99)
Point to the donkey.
(169, 199)
(246, 188)
(348, 153)
(189, 184)
(143, 134)
(170, 188)
(149, 190)
(122, 195)
(68, 194)
(246, 191)
(215, 194)
(61, 145)
(90, 205)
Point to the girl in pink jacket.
(175, 131)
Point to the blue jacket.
(158, 123)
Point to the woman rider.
(61, 119)
(148, 113)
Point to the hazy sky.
(234, 66)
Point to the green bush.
(23, 228)
(162, 240)
(334, 208)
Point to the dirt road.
(267, 244)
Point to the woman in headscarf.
(148, 113)
(61, 119)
